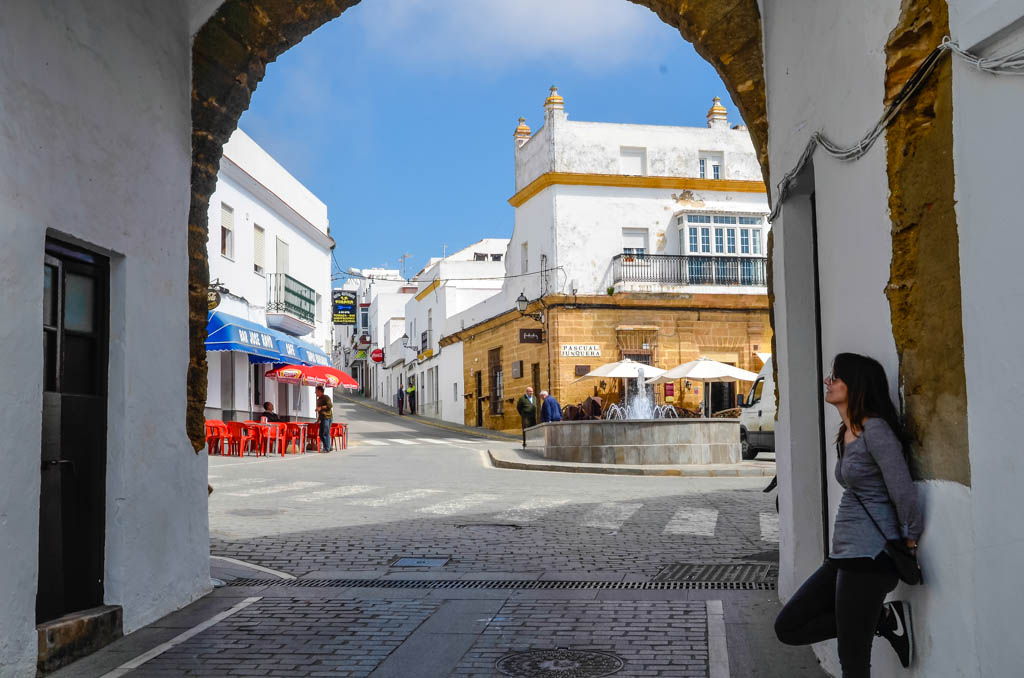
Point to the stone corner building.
(630, 241)
(909, 254)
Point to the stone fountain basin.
(628, 441)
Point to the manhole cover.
(559, 663)
(420, 562)
(252, 512)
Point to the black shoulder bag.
(905, 560)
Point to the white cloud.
(498, 34)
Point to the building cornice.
(625, 181)
(275, 202)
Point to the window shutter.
(282, 256)
(227, 217)
(259, 237)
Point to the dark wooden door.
(535, 378)
(479, 398)
(72, 501)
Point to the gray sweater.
(874, 467)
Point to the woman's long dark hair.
(867, 395)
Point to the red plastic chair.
(340, 432)
(242, 437)
(274, 433)
(295, 434)
(217, 436)
(313, 434)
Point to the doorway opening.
(72, 502)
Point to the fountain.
(639, 432)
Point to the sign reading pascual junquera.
(581, 350)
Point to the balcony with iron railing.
(654, 270)
(291, 305)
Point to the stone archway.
(231, 53)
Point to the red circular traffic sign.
(377, 355)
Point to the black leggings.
(838, 603)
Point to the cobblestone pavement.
(403, 489)
(666, 638)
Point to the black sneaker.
(894, 626)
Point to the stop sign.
(377, 355)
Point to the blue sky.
(399, 115)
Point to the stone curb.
(624, 470)
(493, 435)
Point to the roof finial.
(718, 116)
(522, 133)
(554, 100)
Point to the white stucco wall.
(95, 148)
(805, 93)
(987, 148)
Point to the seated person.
(269, 413)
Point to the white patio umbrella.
(623, 369)
(704, 369)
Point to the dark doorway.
(479, 394)
(535, 377)
(72, 501)
(722, 395)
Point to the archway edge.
(230, 54)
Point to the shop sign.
(343, 303)
(531, 336)
(377, 355)
(581, 350)
(212, 299)
(360, 355)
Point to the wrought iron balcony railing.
(671, 269)
(287, 295)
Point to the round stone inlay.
(559, 663)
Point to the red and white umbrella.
(313, 375)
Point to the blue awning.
(226, 332)
(311, 354)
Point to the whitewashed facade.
(270, 248)
(607, 207)
(98, 157)
(445, 288)
(966, 615)
(380, 299)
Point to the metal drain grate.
(559, 663)
(515, 584)
(726, 573)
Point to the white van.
(757, 415)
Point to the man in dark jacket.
(550, 410)
(527, 407)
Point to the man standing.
(324, 414)
(400, 399)
(550, 410)
(527, 407)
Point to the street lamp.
(405, 342)
(521, 305)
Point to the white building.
(606, 207)
(270, 249)
(446, 287)
(380, 298)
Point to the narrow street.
(406, 489)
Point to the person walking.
(324, 415)
(400, 399)
(410, 396)
(844, 598)
(550, 410)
